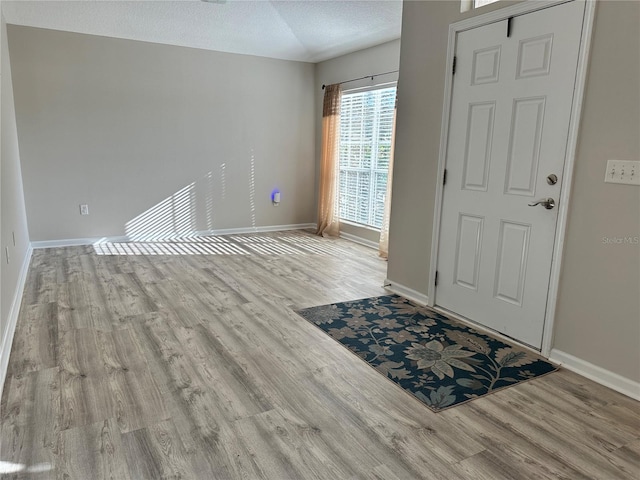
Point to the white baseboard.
(72, 242)
(360, 240)
(413, 295)
(269, 228)
(598, 374)
(12, 319)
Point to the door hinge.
(444, 177)
(455, 61)
(436, 278)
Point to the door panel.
(527, 123)
(468, 251)
(478, 151)
(486, 65)
(511, 267)
(508, 130)
(534, 56)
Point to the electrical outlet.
(626, 172)
(84, 209)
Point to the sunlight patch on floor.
(221, 245)
(8, 467)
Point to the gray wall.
(598, 308)
(379, 59)
(144, 132)
(598, 316)
(13, 218)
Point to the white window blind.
(366, 125)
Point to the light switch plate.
(626, 172)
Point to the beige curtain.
(329, 168)
(383, 247)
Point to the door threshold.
(487, 331)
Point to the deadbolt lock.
(552, 179)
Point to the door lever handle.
(547, 203)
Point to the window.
(482, 3)
(366, 125)
(466, 5)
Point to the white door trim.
(574, 124)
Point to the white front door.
(510, 112)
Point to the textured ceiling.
(303, 30)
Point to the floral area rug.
(440, 361)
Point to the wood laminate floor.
(152, 364)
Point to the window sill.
(360, 225)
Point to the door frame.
(569, 160)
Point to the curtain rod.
(366, 76)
